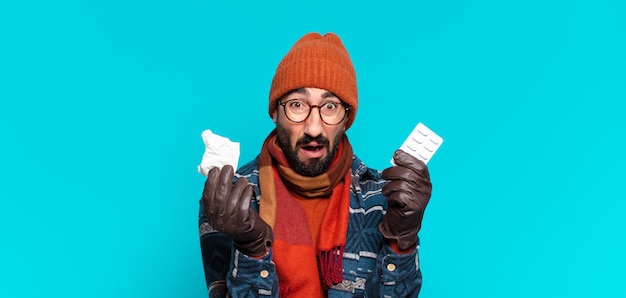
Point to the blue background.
(103, 103)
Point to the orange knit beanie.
(317, 61)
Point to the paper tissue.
(219, 151)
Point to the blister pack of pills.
(422, 143)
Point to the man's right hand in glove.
(227, 208)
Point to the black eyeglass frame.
(319, 110)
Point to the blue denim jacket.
(370, 267)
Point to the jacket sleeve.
(252, 277)
(399, 275)
(216, 254)
(244, 276)
(394, 274)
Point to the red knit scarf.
(297, 260)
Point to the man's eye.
(330, 106)
(296, 104)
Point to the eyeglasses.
(332, 113)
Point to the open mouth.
(313, 150)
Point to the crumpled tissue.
(219, 151)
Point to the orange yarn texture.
(317, 61)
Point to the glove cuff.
(405, 240)
(257, 247)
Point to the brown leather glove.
(227, 208)
(408, 192)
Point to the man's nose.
(313, 125)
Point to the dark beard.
(316, 166)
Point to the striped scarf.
(295, 257)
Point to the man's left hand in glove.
(408, 193)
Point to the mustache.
(308, 139)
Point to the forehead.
(309, 92)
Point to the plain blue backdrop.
(102, 105)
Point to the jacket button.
(264, 273)
(391, 267)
